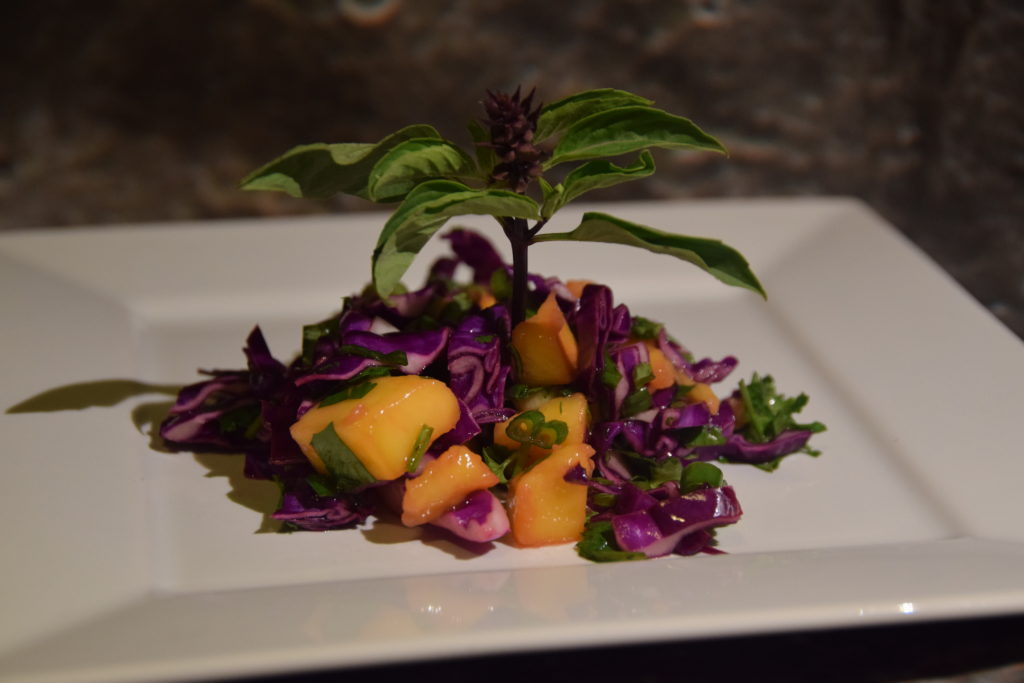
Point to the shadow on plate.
(103, 393)
(259, 495)
(387, 530)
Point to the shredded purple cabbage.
(644, 440)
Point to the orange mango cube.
(545, 509)
(444, 483)
(381, 428)
(577, 286)
(546, 347)
(700, 393)
(661, 367)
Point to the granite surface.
(142, 110)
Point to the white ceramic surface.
(122, 562)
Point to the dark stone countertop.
(148, 111)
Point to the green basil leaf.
(322, 170)
(552, 197)
(598, 544)
(485, 156)
(557, 117)
(424, 211)
(713, 256)
(629, 129)
(594, 175)
(413, 161)
(343, 465)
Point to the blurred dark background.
(145, 110)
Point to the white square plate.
(123, 562)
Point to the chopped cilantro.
(768, 412)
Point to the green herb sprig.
(432, 180)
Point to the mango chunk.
(546, 347)
(700, 393)
(577, 286)
(661, 367)
(544, 508)
(572, 410)
(382, 427)
(444, 483)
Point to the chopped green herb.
(496, 463)
(311, 334)
(501, 284)
(649, 473)
(356, 391)
(768, 412)
(699, 474)
(637, 402)
(598, 544)
(396, 358)
(531, 429)
(245, 419)
(610, 375)
(642, 328)
(679, 398)
(706, 435)
(342, 464)
(370, 372)
(320, 485)
(642, 374)
(419, 448)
